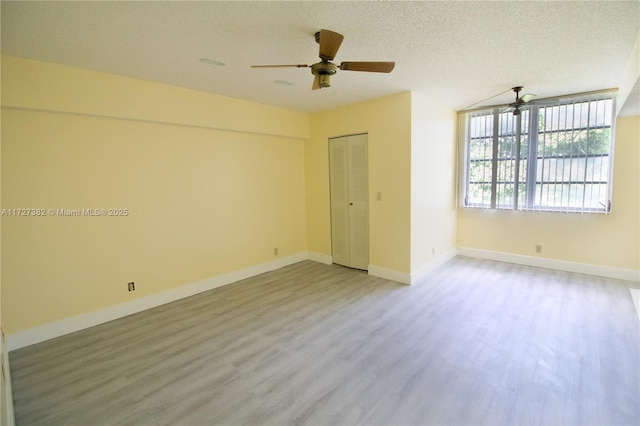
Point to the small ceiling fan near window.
(514, 107)
(520, 100)
(330, 42)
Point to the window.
(554, 156)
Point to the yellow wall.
(213, 184)
(206, 194)
(387, 120)
(608, 240)
(433, 180)
(5, 384)
(49, 87)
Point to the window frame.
(536, 184)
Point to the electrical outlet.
(131, 286)
(379, 196)
(538, 248)
(275, 251)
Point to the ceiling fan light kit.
(324, 80)
(322, 71)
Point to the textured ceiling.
(457, 53)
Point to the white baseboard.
(437, 261)
(110, 313)
(389, 274)
(414, 277)
(320, 258)
(90, 319)
(561, 265)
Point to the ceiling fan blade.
(368, 66)
(280, 66)
(316, 83)
(329, 44)
(513, 109)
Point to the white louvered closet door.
(348, 157)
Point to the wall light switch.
(379, 196)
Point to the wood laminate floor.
(477, 342)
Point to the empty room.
(320, 213)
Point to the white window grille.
(555, 156)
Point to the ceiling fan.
(329, 42)
(520, 100)
(514, 106)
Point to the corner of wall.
(628, 102)
(423, 271)
(320, 258)
(433, 181)
(389, 274)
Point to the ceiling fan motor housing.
(323, 72)
(324, 68)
